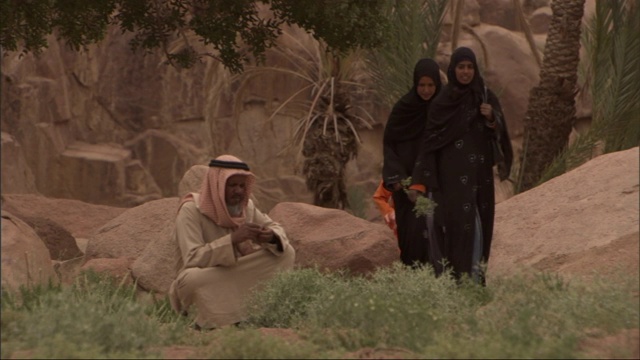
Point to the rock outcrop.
(334, 240)
(331, 239)
(60, 243)
(25, 258)
(127, 235)
(81, 219)
(151, 121)
(583, 221)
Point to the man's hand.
(246, 231)
(265, 235)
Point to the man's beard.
(235, 210)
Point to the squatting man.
(227, 246)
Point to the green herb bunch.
(424, 206)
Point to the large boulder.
(498, 12)
(334, 240)
(127, 235)
(540, 19)
(155, 269)
(79, 218)
(58, 240)
(25, 258)
(269, 192)
(192, 180)
(331, 239)
(585, 220)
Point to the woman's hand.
(413, 195)
(487, 111)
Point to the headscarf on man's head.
(212, 192)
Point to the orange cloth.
(418, 187)
(382, 198)
(384, 201)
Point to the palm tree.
(551, 112)
(611, 75)
(327, 132)
(327, 135)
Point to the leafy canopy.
(233, 29)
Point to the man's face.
(235, 190)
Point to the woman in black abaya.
(402, 137)
(465, 137)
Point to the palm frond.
(526, 29)
(415, 34)
(613, 71)
(457, 22)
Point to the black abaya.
(402, 139)
(456, 165)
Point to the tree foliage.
(233, 31)
(414, 33)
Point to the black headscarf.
(451, 112)
(408, 116)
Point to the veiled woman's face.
(465, 72)
(426, 88)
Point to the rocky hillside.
(112, 127)
(582, 223)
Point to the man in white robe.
(228, 246)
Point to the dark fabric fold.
(402, 137)
(405, 126)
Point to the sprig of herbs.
(424, 206)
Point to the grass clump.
(537, 315)
(95, 317)
(396, 311)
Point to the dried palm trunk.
(327, 151)
(551, 111)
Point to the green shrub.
(405, 310)
(95, 317)
(286, 299)
(539, 315)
